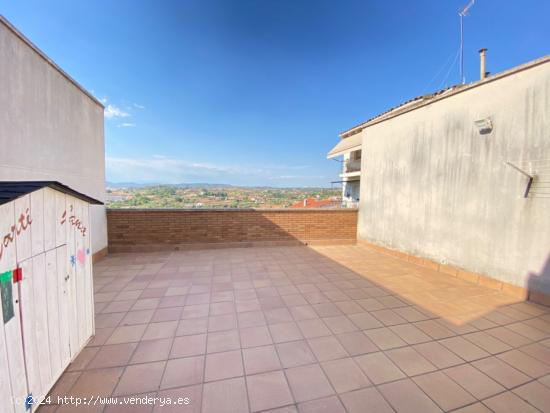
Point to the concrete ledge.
(489, 282)
(99, 255)
(114, 248)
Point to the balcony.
(352, 166)
(301, 328)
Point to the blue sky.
(256, 92)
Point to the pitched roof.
(11, 190)
(424, 100)
(313, 203)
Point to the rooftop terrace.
(306, 329)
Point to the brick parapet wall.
(139, 229)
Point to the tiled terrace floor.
(297, 329)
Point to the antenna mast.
(462, 14)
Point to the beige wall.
(434, 187)
(50, 129)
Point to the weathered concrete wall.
(434, 187)
(50, 129)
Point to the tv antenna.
(462, 13)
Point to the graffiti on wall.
(16, 230)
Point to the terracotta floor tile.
(126, 334)
(222, 322)
(167, 314)
(509, 403)
(388, 317)
(487, 342)
(308, 383)
(501, 372)
(185, 346)
(140, 378)
(283, 332)
(325, 405)
(82, 360)
(137, 317)
(475, 382)
(251, 319)
(527, 331)
(100, 382)
(434, 329)
(268, 391)
(525, 363)
(410, 314)
(537, 351)
(364, 321)
(410, 334)
(165, 329)
(118, 306)
(313, 328)
(339, 324)
(223, 341)
(224, 307)
(405, 396)
(152, 350)
(145, 304)
(345, 375)
(327, 348)
(225, 396)
(384, 338)
(223, 365)
(379, 368)
(535, 394)
(349, 307)
(63, 385)
(303, 312)
(473, 408)
(101, 336)
(442, 390)
(410, 361)
(438, 355)
(260, 359)
(356, 343)
(195, 311)
(278, 315)
(193, 395)
(108, 320)
(295, 353)
(465, 349)
(508, 336)
(183, 372)
(367, 400)
(255, 336)
(192, 326)
(112, 356)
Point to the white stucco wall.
(433, 186)
(50, 129)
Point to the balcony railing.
(352, 166)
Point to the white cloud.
(111, 112)
(139, 106)
(127, 125)
(165, 169)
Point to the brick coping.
(483, 280)
(290, 210)
(117, 248)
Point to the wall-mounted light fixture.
(484, 126)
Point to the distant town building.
(316, 203)
(349, 148)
